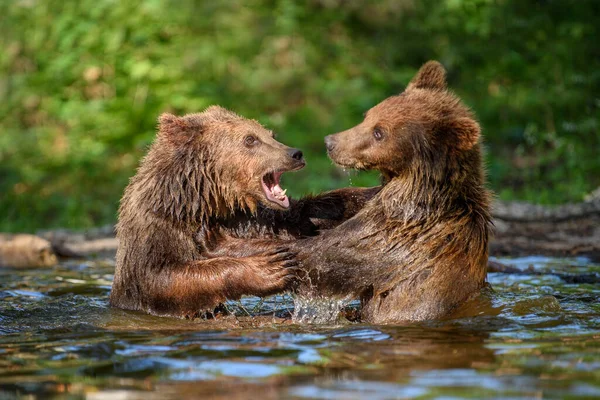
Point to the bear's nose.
(329, 143)
(296, 154)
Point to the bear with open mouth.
(207, 175)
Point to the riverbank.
(519, 229)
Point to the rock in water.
(25, 251)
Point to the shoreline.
(519, 229)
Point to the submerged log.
(96, 242)
(25, 251)
(566, 230)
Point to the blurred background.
(83, 82)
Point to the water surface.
(536, 335)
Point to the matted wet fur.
(419, 248)
(204, 176)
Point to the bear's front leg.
(328, 210)
(201, 285)
(215, 243)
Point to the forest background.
(83, 82)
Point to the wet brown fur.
(199, 181)
(419, 248)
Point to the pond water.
(537, 334)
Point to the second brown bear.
(419, 248)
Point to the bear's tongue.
(274, 192)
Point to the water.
(537, 335)
(317, 309)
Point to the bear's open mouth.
(274, 192)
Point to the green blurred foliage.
(83, 82)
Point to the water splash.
(311, 309)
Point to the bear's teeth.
(277, 190)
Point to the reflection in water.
(531, 336)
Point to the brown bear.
(205, 174)
(419, 247)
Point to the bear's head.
(225, 161)
(421, 128)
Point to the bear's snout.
(296, 154)
(329, 142)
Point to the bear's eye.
(250, 140)
(377, 134)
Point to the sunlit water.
(536, 335)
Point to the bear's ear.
(432, 75)
(466, 132)
(173, 128)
